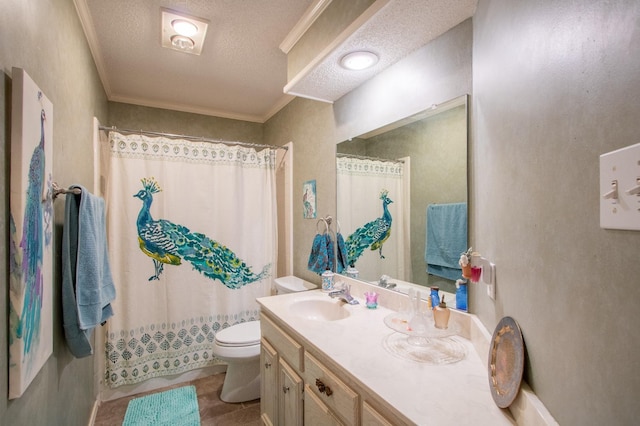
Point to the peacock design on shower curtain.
(167, 242)
(373, 234)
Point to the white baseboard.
(94, 413)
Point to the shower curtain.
(360, 184)
(192, 244)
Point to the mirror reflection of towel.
(446, 239)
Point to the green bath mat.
(175, 407)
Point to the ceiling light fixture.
(184, 27)
(359, 60)
(182, 43)
(182, 32)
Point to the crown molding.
(308, 18)
(92, 39)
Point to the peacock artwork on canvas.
(31, 222)
(169, 243)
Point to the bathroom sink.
(320, 310)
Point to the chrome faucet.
(383, 282)
(344, 293)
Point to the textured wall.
(556, 84)
(46, 39)
(134, 117)
(309, 125)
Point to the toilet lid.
(243, 334)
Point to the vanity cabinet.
(299, 387)
(290, 400)
(268, 384)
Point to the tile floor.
(213, 411)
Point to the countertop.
(456, 393)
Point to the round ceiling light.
(184, 27)
(182, 43)
(359, 60)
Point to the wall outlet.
(620, 189)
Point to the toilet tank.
(292, 284)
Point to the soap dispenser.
(441, 315)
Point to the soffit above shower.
(390, 28)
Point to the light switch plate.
(620, 172)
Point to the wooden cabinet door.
(291, 388)
(268, 384)
(316, 413)
(371, 417)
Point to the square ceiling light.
(183, 32)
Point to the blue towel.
(341, 258)
(446, 239)
(330, 251)
(318, 257)
(322, 254)
(87, 285)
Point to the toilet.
(291, 284)
(239, 347)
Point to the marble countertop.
(456, 393)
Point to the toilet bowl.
(239, 347)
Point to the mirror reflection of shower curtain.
(192, 244)
(359, 184)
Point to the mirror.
(388, 179)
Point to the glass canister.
(327, 280)
(352, 272)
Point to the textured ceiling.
(397, 29)
(241, 72)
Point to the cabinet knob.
(322, 388)
(285, 389)
(267, 365)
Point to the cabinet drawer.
(287, 348)
(343, 401)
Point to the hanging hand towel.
(330, 251)
(341, 258)
(87, 286)
(318, 257)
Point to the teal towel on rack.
(446, 239)
(318, 257)
(322, 254)
(87, 285)
(341, 258)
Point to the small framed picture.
(309, 204)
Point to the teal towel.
(341, 258)
(87, 285)
(446, 239)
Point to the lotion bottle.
(441, 315)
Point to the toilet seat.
(239, 335)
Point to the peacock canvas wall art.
(31, 228)
(192, 243)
